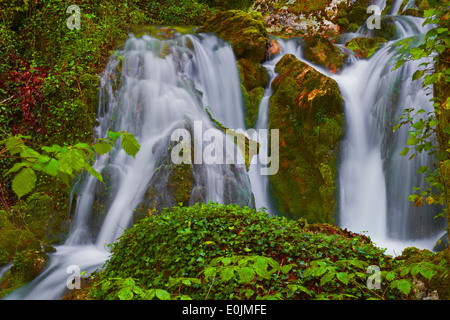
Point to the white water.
(375, 180)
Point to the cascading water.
(164, 85)
(375, 180)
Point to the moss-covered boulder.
(245, 31)
(365, 47)
(439, 283)
(307, 108)
(320, 50)
(21, 248)
(413, 8)
(254, 79)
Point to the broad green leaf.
(403, 285)
(246, 275)
(162, 294)
(226, 274)
(210, 272)
(418, 74)
(399, 63)
(390, 276)
(226, 261)
(150, 294)
(249, 293)
(24, 182)
(286, 268)
(51, 168)
(327, 277)
(114, 135)
(422, 169)
(71, 161)
(17, 167)
(125, 294)
(343, 277)
(426, 272)
(14, 145)
(102, 147)
(405, 151)
(130, 144)
(320, 271)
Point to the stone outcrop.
(307, 108)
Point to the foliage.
(422, 137)
(226, 252)
(63, 162)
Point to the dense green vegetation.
(228, 252)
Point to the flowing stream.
(165, 85)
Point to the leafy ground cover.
(226, 252)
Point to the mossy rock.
(307, 108)
(26, 266)
(440, 281)
(44, 213)
(254, 79)
(13, 240)
(245, 31)
(365, 47)
(388, 29)
(413, 7)
(319, 50)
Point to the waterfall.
(375, 180)
(151, 88)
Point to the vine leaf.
(130, 144)
(24, 182)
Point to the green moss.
(254, 79)
(25, 267)
(181, 182)
(245, 31)
(307, 108)
(319, 50)
(365, 47)
(13, 240)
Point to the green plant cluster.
(213, 251)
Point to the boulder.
(254, 79)
(244, 31)
(307, 108)
(320, 50)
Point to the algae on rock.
(307, 108)
(244, 31)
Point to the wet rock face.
(319, 50)
(305, 17)
(187, 184)
(245, 31)
(307, 108)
